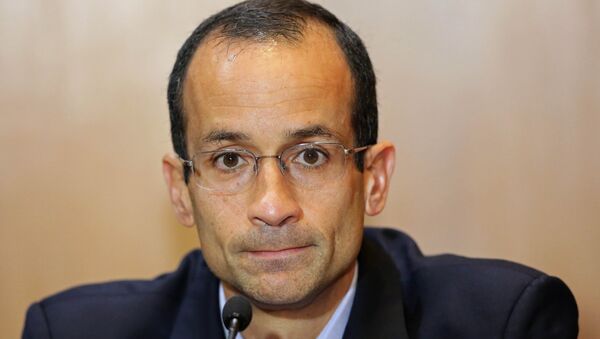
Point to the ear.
(380, 160)
(178, 190)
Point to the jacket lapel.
(377, 311)
(199, 313)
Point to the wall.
(494, 107)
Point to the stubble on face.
(272, 277)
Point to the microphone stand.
(233, 328)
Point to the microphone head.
(240, 308)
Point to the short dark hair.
(260, 20)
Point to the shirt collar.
(334, 329)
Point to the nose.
(273, 201)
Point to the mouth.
(276, 260)
(278, 253)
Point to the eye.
(229, 160)
(311, 157)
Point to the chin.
(278, 302)
(280, 294)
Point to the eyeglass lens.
(307, 165)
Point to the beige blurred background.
(494, 107)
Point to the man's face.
(275, 242)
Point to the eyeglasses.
(308, 165)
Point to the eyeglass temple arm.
(186, 162)
(356, 150)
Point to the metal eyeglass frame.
(347, 152)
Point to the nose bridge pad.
(281, 164)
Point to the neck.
(304, 322)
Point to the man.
(274, 124)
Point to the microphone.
(237, 314)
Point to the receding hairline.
(218, 38)
(215, 43)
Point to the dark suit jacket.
(400, 293)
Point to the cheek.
(217, 218)
(336, 210)
(349, 235)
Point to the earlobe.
(380, 161)
(178, 190)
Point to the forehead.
(271, 87)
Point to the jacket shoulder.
(115, 309)
(452, 296)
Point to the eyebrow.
(311, 131)
(223, 135)
(217, 136)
